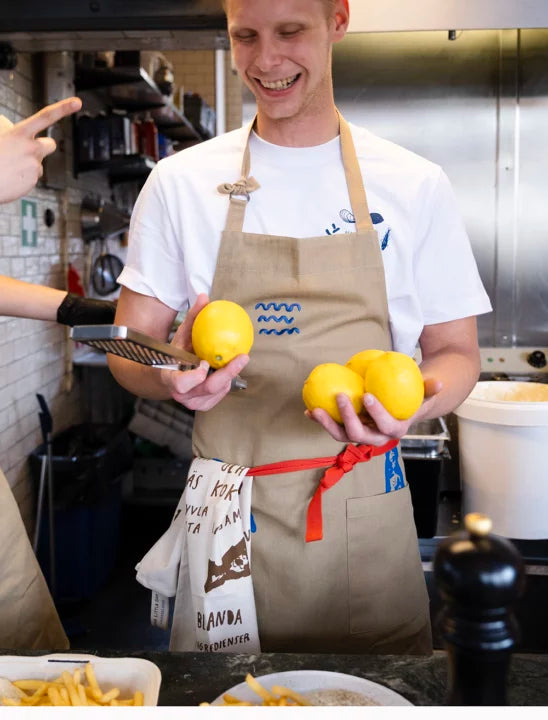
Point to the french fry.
(289, 693)
(278, 695)
(76, 689)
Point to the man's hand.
(21, 152)
(378, 427)
(195, 389)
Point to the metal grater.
(133, 345)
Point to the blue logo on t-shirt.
(393, 475)
(348, 217)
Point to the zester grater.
(133, 345)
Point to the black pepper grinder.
(479, 575)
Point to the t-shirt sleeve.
(155, 264)
(449, 285)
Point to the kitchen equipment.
(133, 345)
(503, 435)
(105, 272)
(46, 471)
(425, 452)
(101, 220)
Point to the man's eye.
(244, 38)
(289, 33)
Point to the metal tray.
(426, 438)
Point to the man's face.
(282, 51)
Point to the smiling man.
(334, 240)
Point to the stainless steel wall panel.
(439, 99)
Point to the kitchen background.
(472, 100)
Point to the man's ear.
(342, 18)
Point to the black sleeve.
(76, 310)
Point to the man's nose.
(268, 55)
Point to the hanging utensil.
(105, 271)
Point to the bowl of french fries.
(307, 688)
(74, 680)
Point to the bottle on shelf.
(149, 138)
(479, 576)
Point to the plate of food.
(309, 687)
(77, 679)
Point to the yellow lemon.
(396, 381)
(221, 330)
(361, 360)
(326, 381)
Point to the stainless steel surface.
(373, 16)
(426, 438)
(133, 345)
(476, 106)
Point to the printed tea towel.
(203, 559)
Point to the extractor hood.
(35, 25)
(402, 15)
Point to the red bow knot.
(343, 463)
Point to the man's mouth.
(282, 84)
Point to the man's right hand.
(21, 152)
(195, 389)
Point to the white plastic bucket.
(503, 451)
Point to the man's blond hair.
(329, 6)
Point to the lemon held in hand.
(360, 361)
(396, 381)
(221, 330)
(326, 381)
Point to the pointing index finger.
(49, 115)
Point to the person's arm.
(40, 302)
(21, 153)
(23, 299)
(450, 368)
(193, 388)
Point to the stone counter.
(191, 678)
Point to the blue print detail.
(376, 218)
(282, 318)
(289, 331)
(278, 306)
(393, 475)
(253, 526)
(334, 229)
(384, 242)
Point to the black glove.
(76, 310)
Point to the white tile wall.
(32, 353)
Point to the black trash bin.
(88, 461)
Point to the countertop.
(192, 678)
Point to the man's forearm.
(141, 380)
(458, 373)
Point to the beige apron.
(314, 300)
(28, 618)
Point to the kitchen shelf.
(121, 168)
(132, 89)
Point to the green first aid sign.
(29, 223)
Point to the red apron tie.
(337, 466)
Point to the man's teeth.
(279, 84)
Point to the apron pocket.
(387, 589)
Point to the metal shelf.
(121, 168)
(132, 89)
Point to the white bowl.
(128, 674)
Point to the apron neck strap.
(239, 191)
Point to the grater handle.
(238, 383)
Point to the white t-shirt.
(431, 274)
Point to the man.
(349, 580)
(28, 618)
